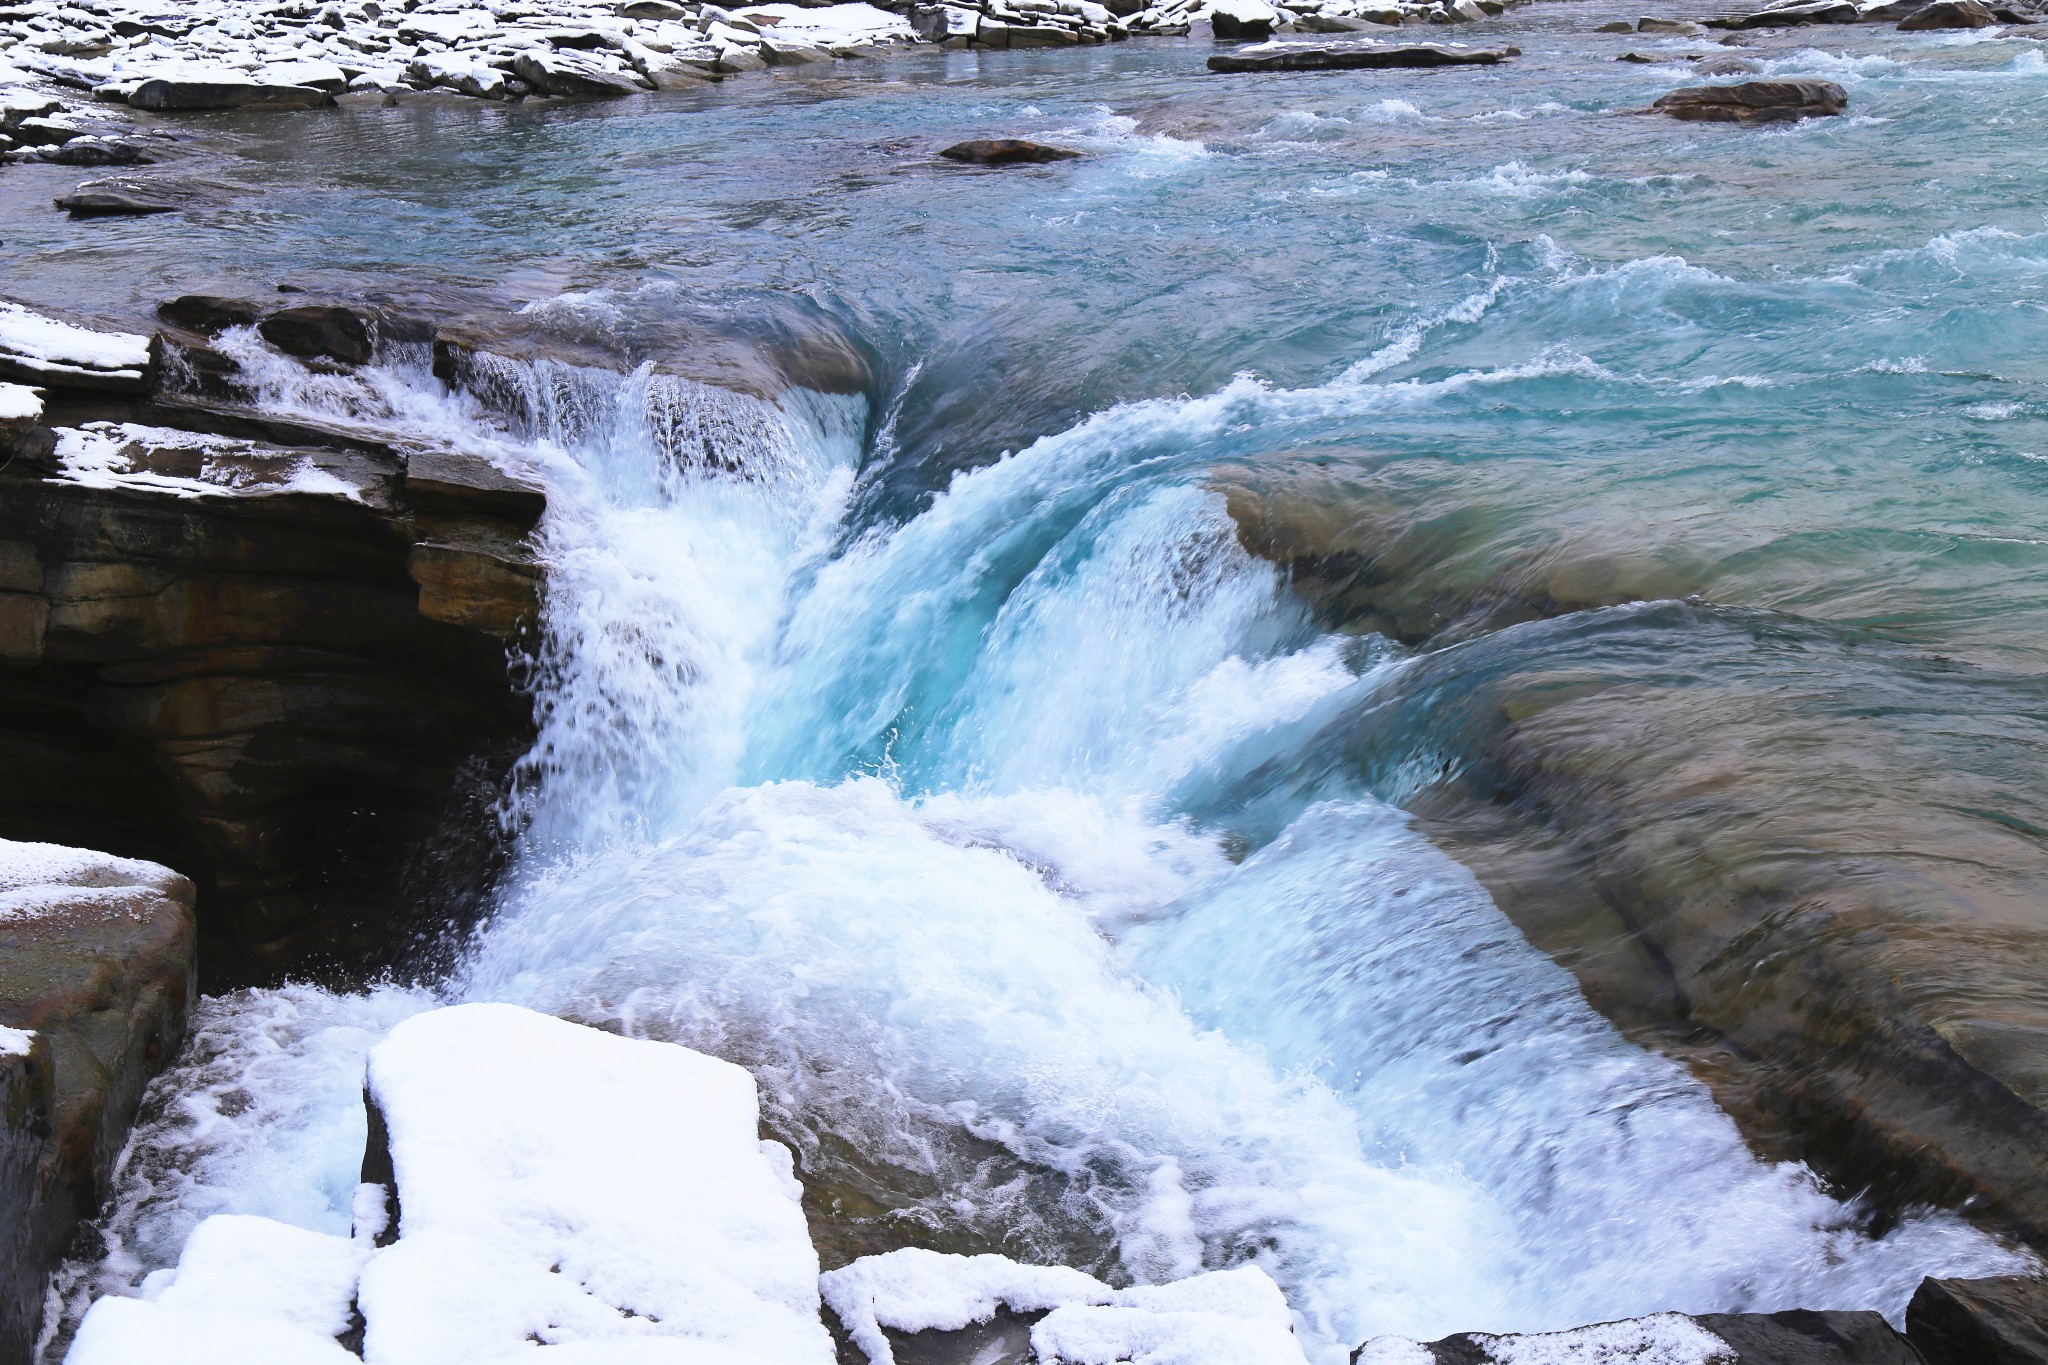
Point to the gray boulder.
(97, 973)
(171, 96)
(566, 73)
(1792, 1338)
(1948, 14)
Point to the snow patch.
(1225, 1317)
(16, 1042)
(58, 348)
(607, 1198)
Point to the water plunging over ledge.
(1038, 828)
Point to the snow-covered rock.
(1224, 1317)
(607, 1198)
(36, 349)
(246, 1291)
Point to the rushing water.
(955, 764)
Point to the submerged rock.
(1007, 151)
(111, 204)
(97, 972)
(1944, 14)
(1755, 102)
(1298, 56)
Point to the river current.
(943, 751)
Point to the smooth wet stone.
(1755, 102)
(1944, 14)
(167, 96)
(1006, 151)
(94, 151)
(1366, 56)
(326, 331)
(110, 204)
(98, 965)
(208, 314)
(1980, 1322)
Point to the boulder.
(639, 1164)
(110, 204)
(1980, 1322)
(1793, 16)
(1792, 1338)
(97, 973)
(1243, 20)
(22, 435)
(208, 314)
(1684, 28)
(569, 73)
(1007, 151)
(1948, 14)
(1355, 56)
(96, 151)
(325, 331)
(168, 95)
(652, 9)
(1755, 102)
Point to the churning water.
(942, 752)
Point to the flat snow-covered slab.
(596, 1197)
(38, 349)
(247, 1291)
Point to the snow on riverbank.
(606, 1199)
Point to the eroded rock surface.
(97, 972)
(275, 656)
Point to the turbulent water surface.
(966, 765)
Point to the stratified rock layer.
(97, 973)
(273, 655)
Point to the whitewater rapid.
(961, 832)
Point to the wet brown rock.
(1980, 1322)
(1755, 102)
(98, 963)
(1007, 151)
(208, 314)
(1948, 14)
(324, 331)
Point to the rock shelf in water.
(1355, 56)
(1755, 102)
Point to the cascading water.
(1002, 832)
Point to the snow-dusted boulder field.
(538, 1190)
